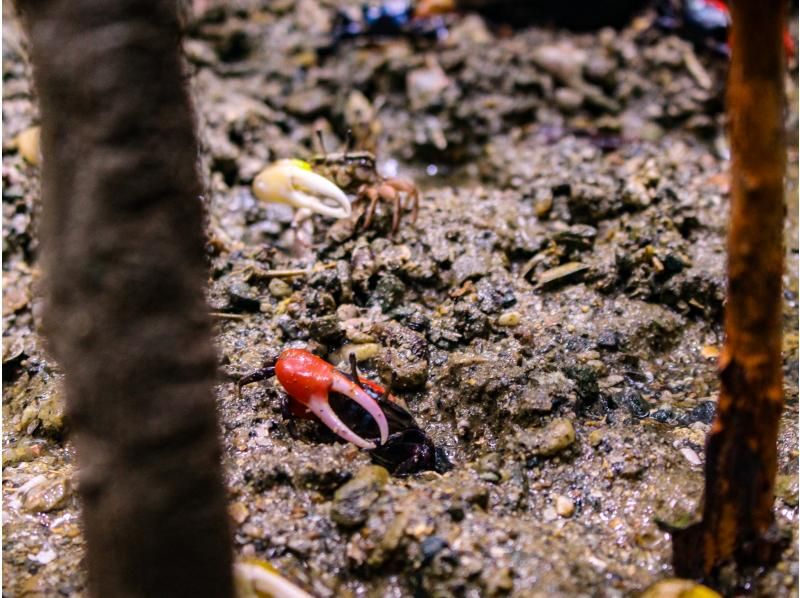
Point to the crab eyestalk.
(292, 182)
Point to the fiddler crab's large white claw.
(292, 182)
(258, 579)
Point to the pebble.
(786, 488)
(509, 318)
(21, 454)
(710, 352)
(363, 352)
(563, 60)
(610, 381)
(43, 494)
(471, 266)
(543, 203)
(596, 437)
(279, 288)
(238, 512)
(691, 456)
(44, 556)
(565, 506)
(403, 360)
(352, 501)
(568, 99)
(556, 436)
(395, 531)
(430, 547)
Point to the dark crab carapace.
(355, 409)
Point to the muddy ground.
(552, 318)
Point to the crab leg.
(260, 374)
(373, 197)
(394, 196)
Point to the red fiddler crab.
(352, 407)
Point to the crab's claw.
(308, 380)
(292, 182)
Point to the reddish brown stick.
(123, 254)
(741, 458)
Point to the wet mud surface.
(551, 320)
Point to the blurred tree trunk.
(741, 461)
(122, 249)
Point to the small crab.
(352, 407)
(357, 172)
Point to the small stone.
(389, 291)
(509, 318)
(279, 288)
(238, 512)
(609, 339)
(786, 488)
(710, 352)
(691, 456)
(565, 507)
(568, 100)
(430, 547)
(610, 381)
(563, 60)
(21, 454)
(44, 556)
(543, 203)
(596, 437)
(403, 359)
(490, 463)
(533, 399)
(362, 352)
(325, 329)
(352, 502)
(553, 438)
(51, 414)
(470, 266)
(43, 495)
(395, 531)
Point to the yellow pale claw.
(258, 579)
(292, 182)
